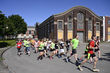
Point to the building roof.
(82, 7)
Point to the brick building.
(29, 33)
(78, 20)
(106, 28)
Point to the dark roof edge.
(76, 8)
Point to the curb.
(1, 55)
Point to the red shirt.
(92, 44)
(19, 45)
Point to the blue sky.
(38, 10)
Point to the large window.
(97, 26)
(69, 25)
(60, 25)
(90, 24)
(80, 21)
(108, 21)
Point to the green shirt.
(74, 43)
(24, 42)
(52, 45)
(27, 43)
(41, 46)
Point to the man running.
(28, 47)
(74, 44)
(61, 45)
(67, 46)
(97, 50)
(52, 49)
(41, 50)
(90, 54)
(19, 44)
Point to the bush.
(7, 43)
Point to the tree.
(19, 24)
(0, 12)
(2, 24)
(11, 28)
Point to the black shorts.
(19, 49)
(91, 55)
(67, 48)
(41, 50)
(97, 49)
(52, 49)
(45, 47)
(85, 53)
(74, 51)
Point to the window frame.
(58, 24)
(80, 23)
(98, 23)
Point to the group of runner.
(49, 48)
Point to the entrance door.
(80, 34)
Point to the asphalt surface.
(30, 64)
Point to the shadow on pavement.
(107, 55)
(87, 68)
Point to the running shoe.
(79, 67)
(95, 70)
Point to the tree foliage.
(12, 25)
(2, 23)
(19, 24)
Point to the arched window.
(80, 21)
(69, 25)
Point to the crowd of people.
(50, 48)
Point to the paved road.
(30, 64)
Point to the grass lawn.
(7, 43)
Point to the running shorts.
(74, 51)
(97, 49)
(61, 50)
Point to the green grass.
(7, 43)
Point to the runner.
(56, 47)
(97, 50)
(19, 44)
(52, 49)
(85, 53)
(24, 45)
(68, 46)
(27, 47)
(45, 48)
(36, 45)
(90, 54)
(41, 50)
(62, 45)
(74, 44)
(32, 42)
